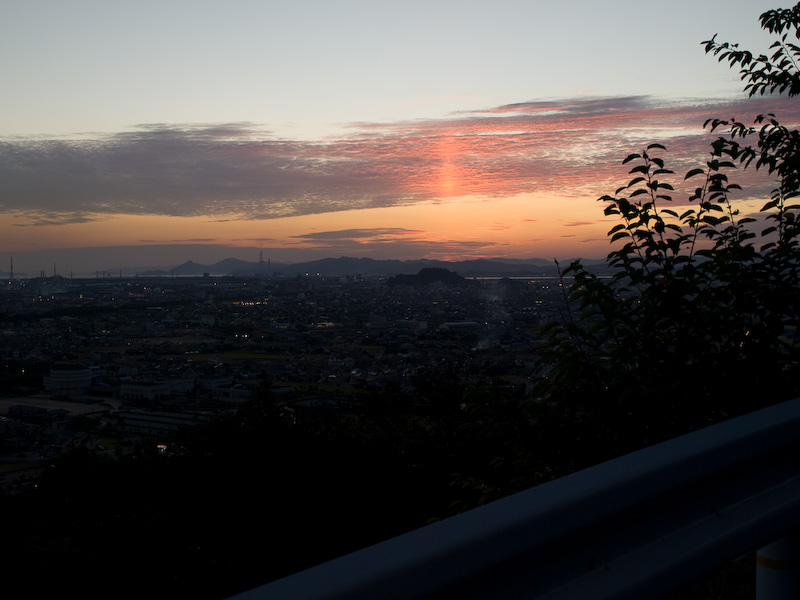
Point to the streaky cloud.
(352, 234)
(49, 219)
(182, 241)
(376, 241)
(240, 171)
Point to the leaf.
(620, 235)
(631, 157)
(694, 172)
(635, 181)
(769, 205)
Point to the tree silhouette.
(699, 321)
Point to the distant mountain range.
(343, 266)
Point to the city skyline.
(445, 131)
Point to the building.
(70, 381)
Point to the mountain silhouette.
(353, 266)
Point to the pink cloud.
(571, 147)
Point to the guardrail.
(638, 527)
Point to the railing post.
(778, 569)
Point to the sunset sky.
(159, 132)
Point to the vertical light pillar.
(778, 569)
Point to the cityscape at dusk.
(447, 131)
(413, 299)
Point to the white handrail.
(634, 527)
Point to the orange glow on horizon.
(522, 226)
(516, 181)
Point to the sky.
(151, 133)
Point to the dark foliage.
(699, 321)
(244, 499)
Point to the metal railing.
(638, 526)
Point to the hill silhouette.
(347, 265)
(427, 276)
